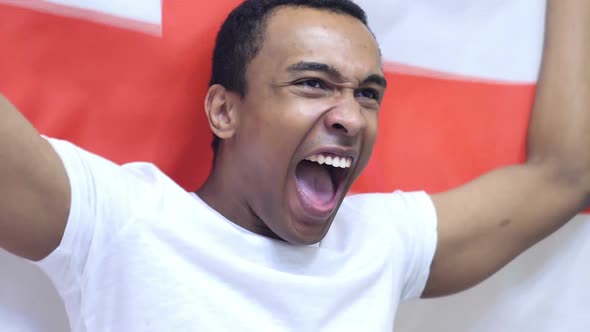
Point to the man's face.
(313, 94)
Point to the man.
(269, 242)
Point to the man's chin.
(305, 231)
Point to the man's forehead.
(298, 35)
(293, 20)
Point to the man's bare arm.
(34, 190)
(485, 224)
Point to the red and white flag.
(126, 80)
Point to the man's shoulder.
(148, 173)
(399, 201)
(387, 209)
(131, 187)
(158, 190)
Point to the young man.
(269, 242)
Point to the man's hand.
(488, 222)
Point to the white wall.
(544, 290)
(28, 301)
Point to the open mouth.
(320, 179)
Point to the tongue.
(315, 181)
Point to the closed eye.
(313, 83)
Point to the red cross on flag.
(126, 80)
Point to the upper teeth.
(335, 161)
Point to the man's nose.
(346, 118)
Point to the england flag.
(127, 79)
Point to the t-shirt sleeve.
(101, 206)
(419, 226)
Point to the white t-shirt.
(139, 253)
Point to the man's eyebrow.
(376, 79)
(333, 72)
(315, 66)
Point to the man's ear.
(221, 109)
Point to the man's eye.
(311, 83)
(368, 93)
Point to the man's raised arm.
(485, 224)
(34, 189)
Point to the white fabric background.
(142, 15)
(149, 11)
(492, 39)
(544, 290)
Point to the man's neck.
(221, 191)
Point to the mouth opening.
(319, 183)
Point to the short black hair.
(241, 36)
